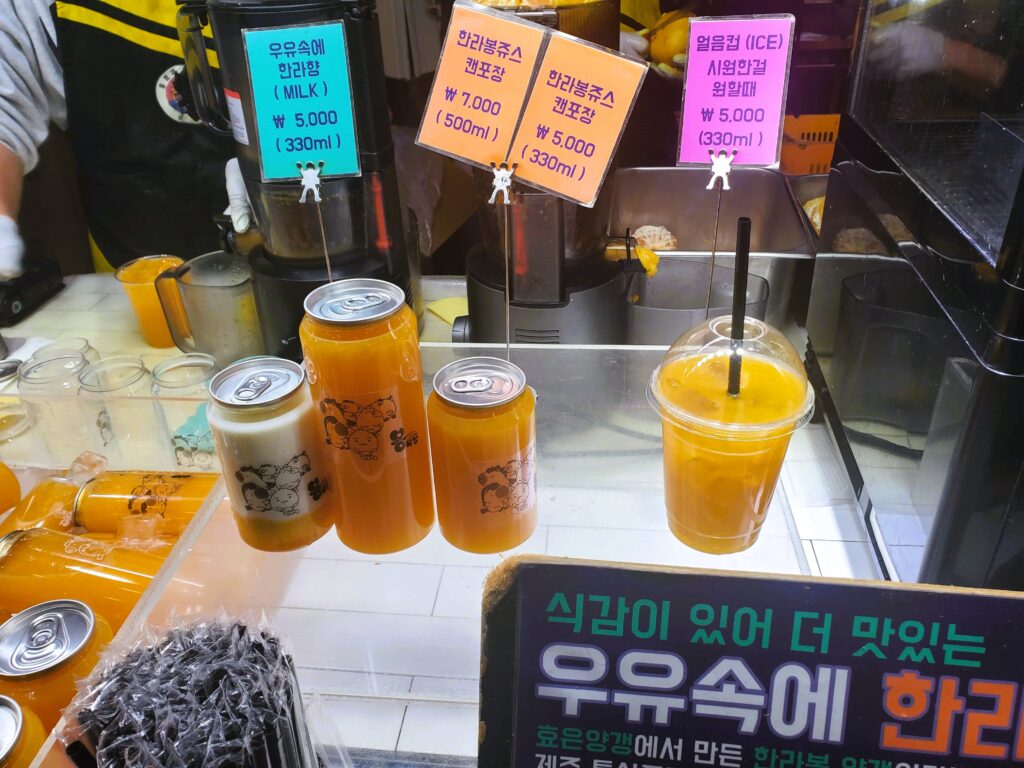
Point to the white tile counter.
(391, 644)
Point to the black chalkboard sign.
(595, 665)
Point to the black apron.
(151, 178)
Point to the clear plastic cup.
(139, 280)
(723, 454)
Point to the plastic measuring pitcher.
(210, 307)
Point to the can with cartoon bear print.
(483, 447)
(361, 349)
(266, 432)
(108, 502)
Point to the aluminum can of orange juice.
(21, 733)
(106, 502)
(39, 565)
(45, 649)
(266, 432)
(361, 347)
(483, 449)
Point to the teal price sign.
(302, 96)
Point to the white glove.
(11, 248)
(906, 49)
(633, 45)
(238, 199)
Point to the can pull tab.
(359, 303)
(471, 384)
(253, 387)
(47, 639)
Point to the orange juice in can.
(362, 356)
(21, 734)
(483, 448)
(40, 565)
(49, 505)
(104, 503)
(45, 649)
(160, 546)
(267, 434)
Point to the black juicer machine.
(357, 225)
(561, 287)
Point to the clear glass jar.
(122, 414)
(63, 346)
(47, 389)
(182, 386)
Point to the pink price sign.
(737, 74)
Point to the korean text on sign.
(481, 83)
(303, 99)
(735, 93)
(572, 123)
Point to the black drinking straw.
(739, 302)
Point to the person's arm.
(11, 247)
(31, 95)
(979, 65)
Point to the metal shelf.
(969, 168)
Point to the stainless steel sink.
(676, 198)
(663, 307)
(805, 189)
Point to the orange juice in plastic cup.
(723, 454)
(139, 280)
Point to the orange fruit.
(671, 36)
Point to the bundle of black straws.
(213, 694)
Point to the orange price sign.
(482, 80)
(574, 118)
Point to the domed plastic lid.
(690, 387)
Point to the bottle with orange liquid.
(45, 649)
(103, 503)
(266, 434)
(49, 505)
(21, 734)
(160, 546)
(10, 488)
(41, 564)
(362, 355)
(723, 453)
(482, 443)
